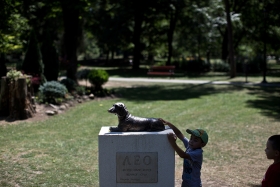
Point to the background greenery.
(178, 32)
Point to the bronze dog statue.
(128, 122)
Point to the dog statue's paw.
(114, 129)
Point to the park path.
(182, 81)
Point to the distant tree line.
(173, 29)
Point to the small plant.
(52, 91)
(98, 77)
(83, 75)
(80, 90)
(69, 84)
(14, 74)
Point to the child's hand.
(171, 137)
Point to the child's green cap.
(199, 133)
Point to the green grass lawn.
(63, 150)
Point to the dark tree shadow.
(268, 98)
(254, 185)
(171, 92)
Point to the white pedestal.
(135, 159)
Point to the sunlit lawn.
(63, 150)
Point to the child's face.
(196, 142)
(269, 151)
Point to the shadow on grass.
(171, 92)
(268, 100)
(142, 73)
(254, 185)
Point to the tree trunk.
(4, 97)
(225, 45)
(71, 35)
(172, 25)
(16, 101)
(3, 68)
(230, 41)
(138, 20)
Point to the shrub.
(69, 84)
(83, 74)
(196, 65)
(52, 91)
(98, 77)
(254, 65)
(220, 66)
(80, 90)
(249, 65)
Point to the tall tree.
(49, 57)
(32, 63)
(72, 28)
(230, 40)
(139, 10)
(175, 8)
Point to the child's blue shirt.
(191, 169)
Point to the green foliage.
(11, 26)
(14, 74)
(98, 77)
(69, 84)
(253, 65)
(52, 91)
(80, 90)
(83, 74)
(219, 66)
(195, 66)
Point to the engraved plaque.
(137, 167)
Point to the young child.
(272, 151)
(192, 156)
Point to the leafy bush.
(80, 90)
(196, 65)
(52, 91)
(14, 74)
(69, 84)
(98, 77)
(253, 65)
(220, 66)
(83, 74)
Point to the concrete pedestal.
(134, 159)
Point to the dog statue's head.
(118, 109)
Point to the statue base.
(135, 159)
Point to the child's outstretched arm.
(172, 139)
(175, 129)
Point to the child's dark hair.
(275, 140)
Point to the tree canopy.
(171, 29)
